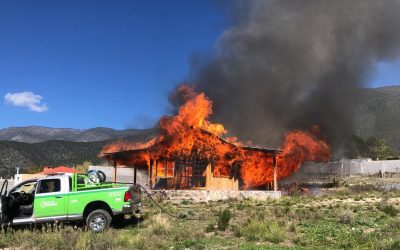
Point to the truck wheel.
(98, 220)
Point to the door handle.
(58, 197)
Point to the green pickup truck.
(67, 198)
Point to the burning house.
(195, 168)
(189, 153)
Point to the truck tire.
(98, 220)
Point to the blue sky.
(105, 63)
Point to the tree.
(32, 170)
(373, 148)
(378, 149)
(84, 167)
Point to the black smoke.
(291, 64)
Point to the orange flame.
(190, 132)
(298, 147)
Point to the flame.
(191, 134)
(298, 147)
(122, 145)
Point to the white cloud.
(26, 99)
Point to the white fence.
(344, 168)
(354, 167)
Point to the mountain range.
(40, 146)
(378, 115)
(35, 134)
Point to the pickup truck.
(67, 198)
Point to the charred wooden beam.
(275, 175)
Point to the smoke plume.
(290, 64)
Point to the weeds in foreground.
(394, 246)
(159, 225)
(346, 217)
(256, 230)
(224, 217)
(298, 222)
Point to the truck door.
(50, 198)
(3, 203)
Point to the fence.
(344, 168)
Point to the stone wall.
(214, 195)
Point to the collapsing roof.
(125, 155)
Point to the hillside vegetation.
(51, 153)
(379, 115)
(54, 153)
(35, 134)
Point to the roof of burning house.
(125, 153)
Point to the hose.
(180, 216)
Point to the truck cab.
(67, 197)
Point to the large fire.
(190, 132)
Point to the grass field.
(355, 216)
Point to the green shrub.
(224, 217)
(346, 217)
(90, 240)
(364, 188)
(394, 246)
(210, 228)
(236, 231)
(390, 210)
(292, 228)
(262, 230)
(240, 206)
(286, 210)
(138, 242)
(70, 237)
(159, 225)
(186, 202)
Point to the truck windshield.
(27, 188)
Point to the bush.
(262, 230)
(70, 237)
(224, 217)
(138, 242)
(95, 241)
(346, 217)
(210, 228)
(292, 228)
(394, 246)
(159, 225)
(364, 188)
(390, 210)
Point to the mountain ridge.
(14, 154)
(36, 134)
